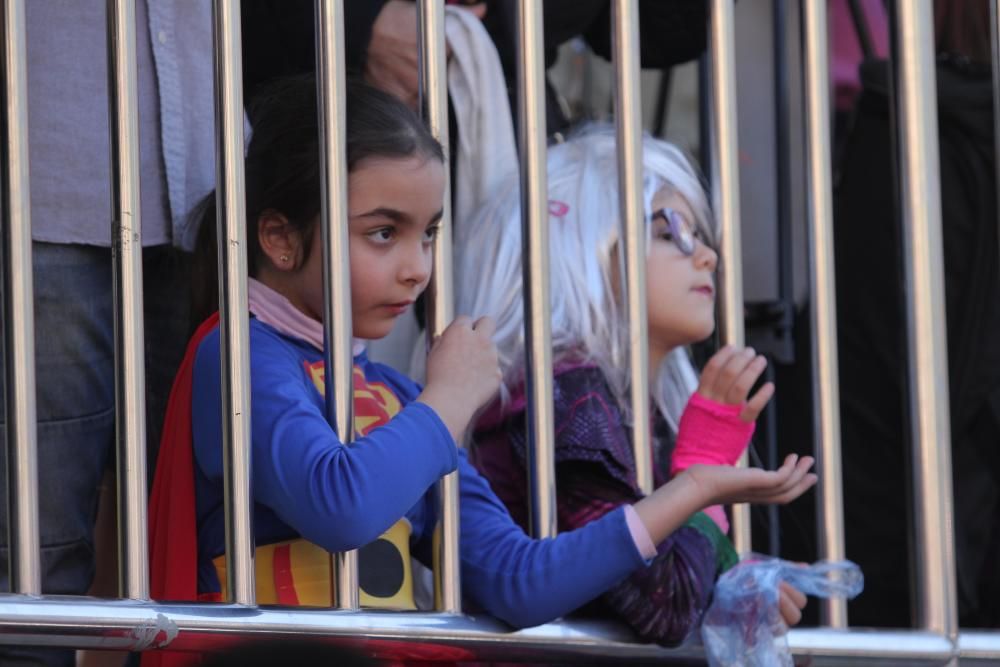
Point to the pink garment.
(273, 309)
(717, 513)
(641, 537)
(710, 432)
(845, 48)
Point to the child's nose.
(416, 265)
(705, 257)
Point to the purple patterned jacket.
(595, 473)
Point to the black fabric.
(871, 314)
(670, 32)
(278, 36)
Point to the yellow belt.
(297, 572)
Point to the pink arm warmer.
(711, 433)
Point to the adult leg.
(74, 371)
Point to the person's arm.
(336, 496)
(662, 603)
(526, 582)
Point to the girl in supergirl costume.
(313, 494)
(693, 423)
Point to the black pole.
(662, 101)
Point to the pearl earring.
(284, 258)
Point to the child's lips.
(707, 290)
(399, 307)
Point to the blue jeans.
(74, 371)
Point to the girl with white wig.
(706, 421)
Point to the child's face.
(394, 209)
(680, 289)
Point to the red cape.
(173, 526)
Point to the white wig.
(587, 318)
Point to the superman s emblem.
(374, 403)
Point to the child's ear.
(279, 240)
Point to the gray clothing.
(68, 119)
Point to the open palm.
(726, 485)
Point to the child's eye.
(663, 232)
(431, 233)
(381, 235)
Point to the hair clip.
(558, 208)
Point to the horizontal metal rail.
(136, 626)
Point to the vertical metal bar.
(928, 362)
(826, 395)
(441, 298)
(726, 203)
(19, 315)
(126, 242)
(535, 240)
(337, 325)
(234, 320)
(628, 123)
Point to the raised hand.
(701, 486)
(463, 372)
(730, 374)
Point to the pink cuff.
(717, 513)
(640, 536)
(710, 432)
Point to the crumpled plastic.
(743, 626)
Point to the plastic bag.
(743, 626)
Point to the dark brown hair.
(282, 165)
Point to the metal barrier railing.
(531, 132)
(928, 362)
(233, 324)
(826, 394)
(19, 317)
(126, 234)
(441, 300)
(137, 624)
(332, 108)
(724, 183)
(628, 123)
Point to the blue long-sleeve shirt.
(307, 483)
